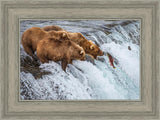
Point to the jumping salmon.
(111, 60)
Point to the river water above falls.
(90, 79)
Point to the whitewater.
(90, 79)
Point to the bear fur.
(89, 47)
(32, 36)
(52, 27)
(59, 50)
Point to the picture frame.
(14, 10)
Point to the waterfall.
(90, 79)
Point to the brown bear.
(89, 47)
(32, 36)
(59, 50)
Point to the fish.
(111, 60)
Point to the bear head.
(92, 49)
(95, 50)
(89, 47)
(76, 51)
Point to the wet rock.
(88, 35)
(90, 59)
(108, 32)
(122, 24)
(126, 23)
(28, 65)
(111, 25)
(129, 48)
(100, 58)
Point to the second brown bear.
(89, 47)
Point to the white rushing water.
(90, 79)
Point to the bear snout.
(101, 53)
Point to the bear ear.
(64, 35)
(90, 41)
(81, 52)
(91, 47)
